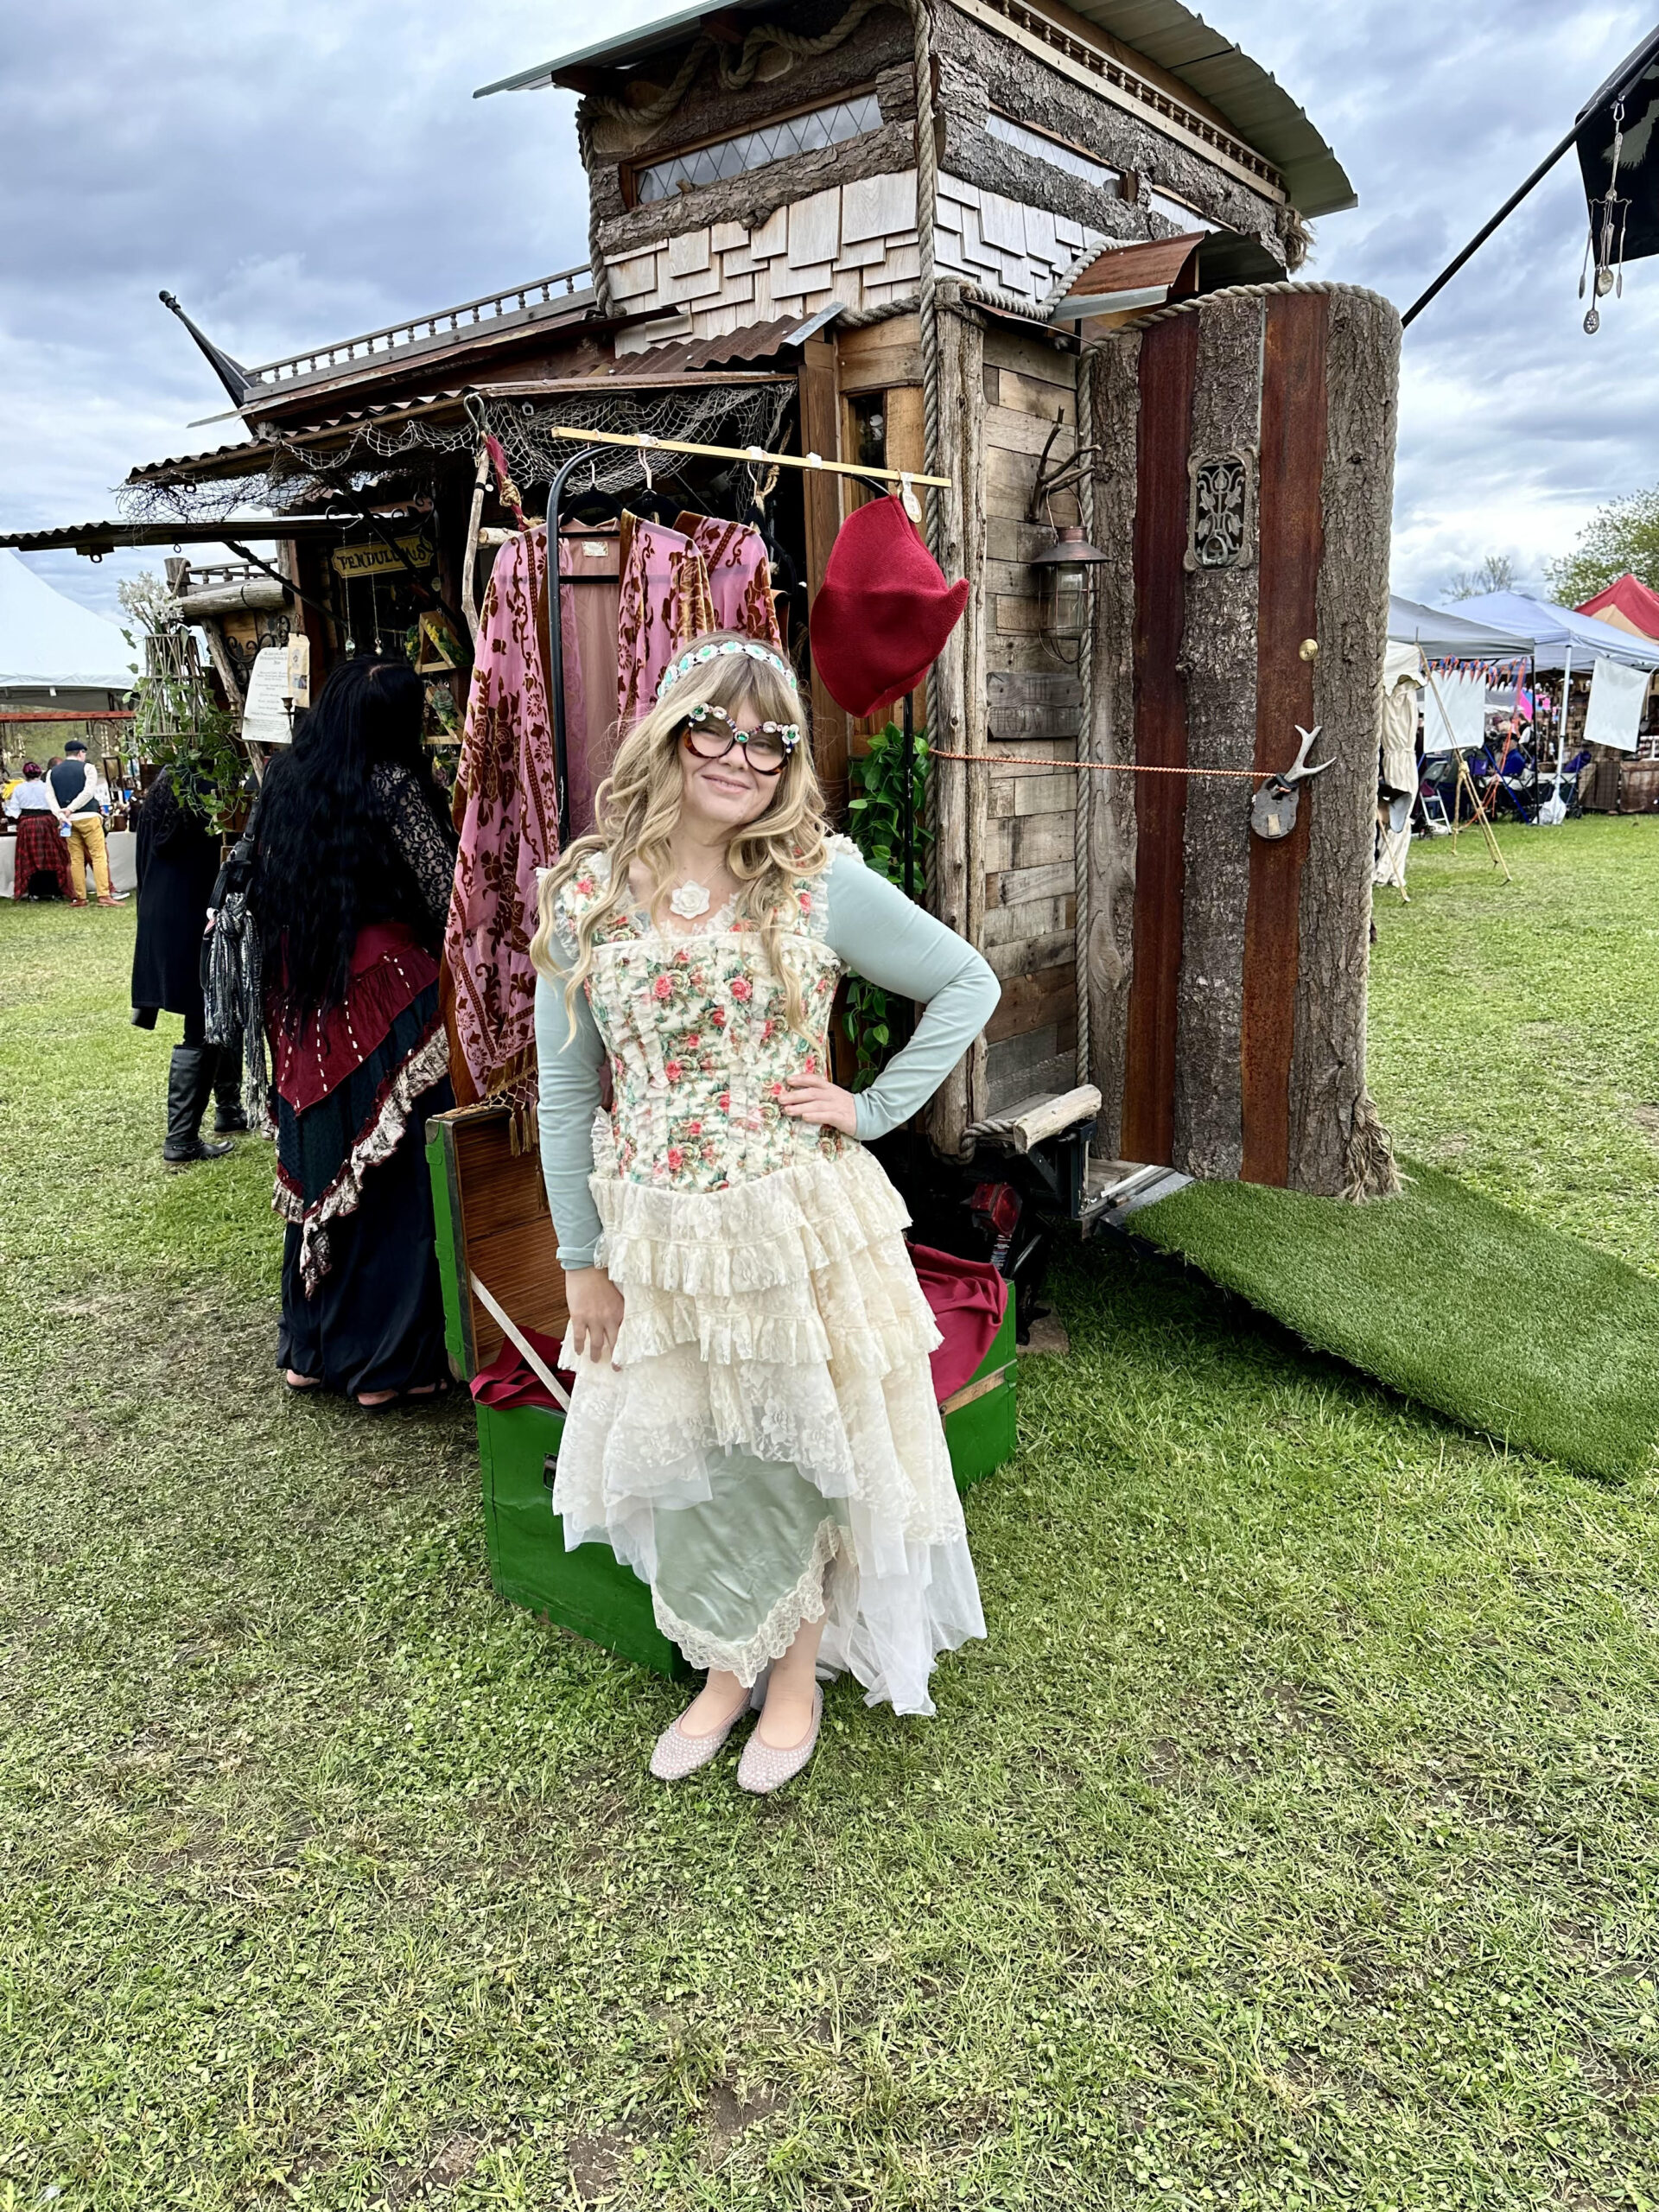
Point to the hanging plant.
(876, 825)
(176, 721)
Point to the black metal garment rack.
(556, 641)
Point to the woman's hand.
(815, 1098)
(595, 1305)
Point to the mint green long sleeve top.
(881, 934)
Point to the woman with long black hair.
(353, 868)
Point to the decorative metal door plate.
(1221, 509)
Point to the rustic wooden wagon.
(1010, 245)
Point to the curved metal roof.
(1250, 98)
(1218, 72)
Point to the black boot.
(189, 1082)
(229, 1119)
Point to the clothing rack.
(880, 479)
(647, 445)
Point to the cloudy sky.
(314, 168)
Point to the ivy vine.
(876, 826)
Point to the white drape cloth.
(1455, 711)
(1616, 697)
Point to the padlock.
(1273, 811)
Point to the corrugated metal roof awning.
(682, 362)
(1130, 279)
(97, 538)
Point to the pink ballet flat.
(677, 1754)
(762, 1770)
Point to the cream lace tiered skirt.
(768, 1450)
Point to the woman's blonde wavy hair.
(638, 803)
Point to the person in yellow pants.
(74, 786)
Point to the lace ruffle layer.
(779, 1319)
(805, 1265)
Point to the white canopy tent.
(54, 650)
(47, 640)
(1456, 637)
(1417, 635)
(1562, 639)
(1565, 639)
(1455, 721)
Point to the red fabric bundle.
(509, 1380)
(885, 611)
(967, 1299)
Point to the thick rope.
(603, 299)
(862, 318)
(1083, 848)
(1251, 292)
(927, 197)
(1102, 767)
(927, 314)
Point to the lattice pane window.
(753, 149)
(1052, 151)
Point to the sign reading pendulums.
(1608, 218)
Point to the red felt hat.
(884, 610)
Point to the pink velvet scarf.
(664, 603)
(740, 576)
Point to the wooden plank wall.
(1291, 525)
(1221, 649)
(1030, 906)
(1168, 367)
(956, 689)
(1004, 868)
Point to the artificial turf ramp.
(1489, 1315)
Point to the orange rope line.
(1099, 767)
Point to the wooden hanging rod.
(643, 440)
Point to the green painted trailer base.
(586, 1590)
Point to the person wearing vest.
(80, 807)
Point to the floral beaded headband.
(725, 650)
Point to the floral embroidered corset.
(694, 1024)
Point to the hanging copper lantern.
(1067, 570)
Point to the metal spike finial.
(232, 374)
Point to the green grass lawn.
(1291, 1842)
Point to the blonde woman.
(754, 1427)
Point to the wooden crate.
(493, 1223)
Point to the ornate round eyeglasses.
(711, 733)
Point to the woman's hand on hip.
(815, 1098)
(595, 1305)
